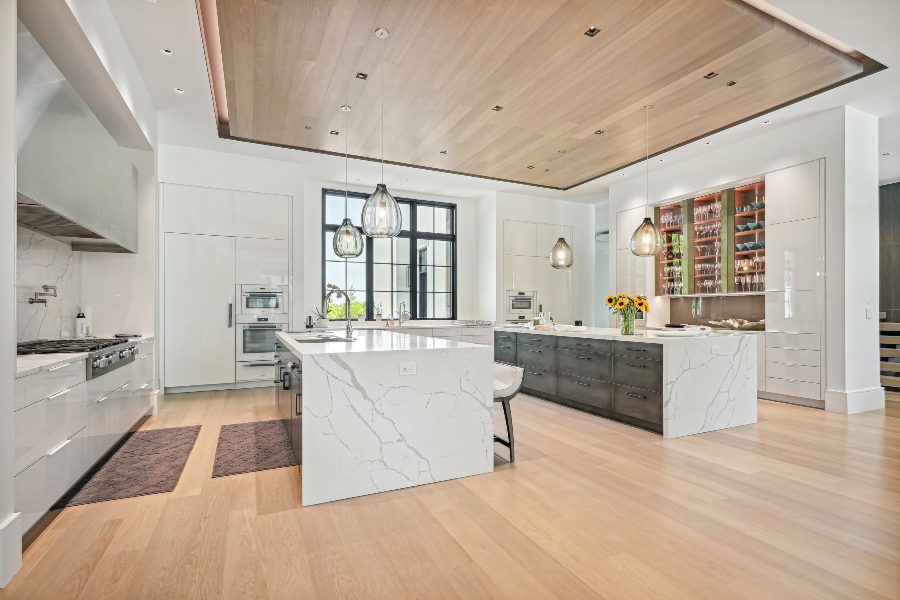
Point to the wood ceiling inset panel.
(289, 65)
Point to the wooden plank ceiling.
(288, 66)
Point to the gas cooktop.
(55, 346)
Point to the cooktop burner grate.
(58, 346)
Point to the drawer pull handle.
(63, 366)
(636, 396)
(58, 447)
(636, 349)
(58, 394)
(583, 357)
(536, 351)
(636, 366)
(101, 399)
(537, 374)
(144, 387)
(582, 384)
(124, 385)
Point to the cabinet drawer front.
(262, 371)
(792, 341)
(800, 389)
(535, 339)
(574, 343)
(145, 349)
(537, 357)
(793, 311)
(42, 425)
(638, 372)
(540, 381)
(584, 364)
(638, 349)
(585, 391)
(55, 379)
(794, 372)
(505, 352)
(638, 404)
(505, 337)
(793, 356)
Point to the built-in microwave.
(263, 300)
(521, 304)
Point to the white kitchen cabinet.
(626, 222)
(477, 335)
(526, 271)
(761, 363)
(261, 215)
(261, 261)
(792, 312)
(35, 387)
(792, 256)
(44, 424)
(793, 193)
(792, 341)
(199, 310)
(631, 272)
(547, 236)
(190, 209)
(520, 238)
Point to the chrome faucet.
(404, 315)
(335, 290)
(41, 297)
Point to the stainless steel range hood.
(35, 216)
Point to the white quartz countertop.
(414, 325)
(611, 333)
(30, 364)
(366, 340)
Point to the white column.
(851, 331)
(10, 524)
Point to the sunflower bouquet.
(627, 307)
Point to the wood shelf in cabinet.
(716, 220)
(714, 257)
(749, 272)
(670, 229)
(743, 252)
(749, 232)
(707, 274)
(709, 239)
(750, 213)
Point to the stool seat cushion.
(507, 380)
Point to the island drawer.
(505, 337)
(536, 357)
(638, 349)
(588, 345)
(637, 404)
(505, 352)
(585, 391)
(542, 382)
(584, 364)
(638, 372)
(536, 339)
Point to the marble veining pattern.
(710, 384)
(41, 260)
(367, 430)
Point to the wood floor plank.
(804, 504)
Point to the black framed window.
(416, 269)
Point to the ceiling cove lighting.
(711, 75)
(362, 76)
(381, 217)
(348, 242)
(497, 108)
(592, 31)
(647, 239)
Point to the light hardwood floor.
(805, 504)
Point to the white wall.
(580, 217)
(844, 138)
(10, 524)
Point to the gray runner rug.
(144, 462)
(257, 446)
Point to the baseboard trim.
(10, 547)
(850, 402)
(219, 387)
(808, 402)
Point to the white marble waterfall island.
(675, 386)
(389, 411)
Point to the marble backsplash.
(41, 260)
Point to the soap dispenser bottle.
(80, 326)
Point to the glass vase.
(628, 324)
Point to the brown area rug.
(257, 446)
(144, 462)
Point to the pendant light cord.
(647, 147)
(382, 111)
(346, 166)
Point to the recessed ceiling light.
(346, 108)
(766, 122)
(333, 132)
(497, 108)
(731, 83)
(546, 170)
(599, 132)
(361, 76)
(308, 128)
(443, 152)
(560, 151)
(592, 31)
(711, 75)
(530, 166)
(166, 52)
(179, 90)
(662, 160)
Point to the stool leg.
(509, 430)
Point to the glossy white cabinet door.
(548, 234)
(199, 310)
(761, 363)
(792, 312)
(262, 261)
(189, 209)
(793, 194)
(626, 222)
(630, 273)
(261, 215)
(792, 256)
(519, 238)
(525, 273)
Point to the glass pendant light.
(381, 217)
(647, 239)
(348, 242)
(561, 256)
